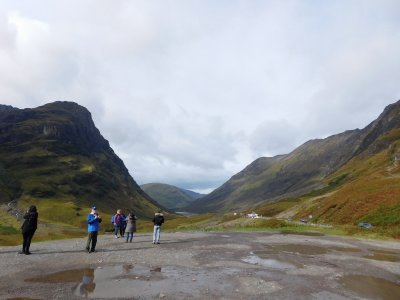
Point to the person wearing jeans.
(118, 223)
(130, 227)
(93, 220)
(158, 220)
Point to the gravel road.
(217, 265)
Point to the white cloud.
(190, 92)
(274, 137)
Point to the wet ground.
(228, 265)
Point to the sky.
(190, 92)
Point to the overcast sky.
(190, 92)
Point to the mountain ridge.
(54, 154)
(170, 196)
(300, 171)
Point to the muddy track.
(220, 265)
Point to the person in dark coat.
(118, 223)
(130, 226)
(28, 228)
(123, 225)
(157, 220)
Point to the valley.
(54, 156)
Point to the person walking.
(118, 223)
(93, 220)
(158, 220)
(130, 226)
(28, 228)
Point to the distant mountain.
(54, 156)
(308, 168)
(170, 196)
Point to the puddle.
(296, 248)
(22, 298)
(64, 276)
(345, 249)
(130, 281)
(371, 287)
(383, 255)
(268, 263)
(306, 249)
(306, 233)
(157, 269)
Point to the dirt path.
(228, 265)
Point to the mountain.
(367, 187)
(54, 156)
(316, 165)
(170, 196)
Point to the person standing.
(93, 220)
(158, 220)
(130, 226)
(28, 228)
(123, 224)
(118, 223)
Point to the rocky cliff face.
(56, 153)
(301, 171)
(66, 123)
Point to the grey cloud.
(274, 137)
(190, 92)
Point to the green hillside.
(343, 179)
(291, 175)
(170, 196)
(370, 191)
(54, 157)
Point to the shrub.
(7, 230)
(267, 223)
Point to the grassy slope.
(366, 189)
(371, 192)
(73, 178)
(167, 195)
(292, 175)
(62, 179)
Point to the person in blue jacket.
(93, 220)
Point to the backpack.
(118, 219)
(113, 219)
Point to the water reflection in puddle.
(128, 281)
(306, 249)
(345, 249)
(157, 269)
(265, 258)
(22, 298)
(306, 233)
(383, 255)
(268, 262)
(371, 287)
(64, 276)
(296, 248)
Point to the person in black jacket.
(28, 228)
(157, 220)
